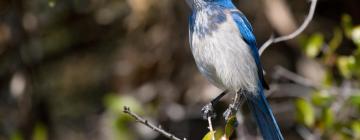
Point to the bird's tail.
(264, 116)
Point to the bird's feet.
(231, 111)
(208, 111)
(233, 107)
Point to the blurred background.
(67, 68)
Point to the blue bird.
(224, 48)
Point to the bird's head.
(198, 4)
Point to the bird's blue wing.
(258, 104)
(246, 32)
(191, 27)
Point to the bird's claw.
(231, 111)
(208, 111)
(227, 114)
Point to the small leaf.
(40, 132)
(314, 44)
(328, 80)
(355, 99)
(16, 136)
(355, 126)
(116, 103)
(346, 65)
(355, 36)
(219, 134)
(305, 112)
(328, 117)
(347, 24)
(336, 40)
(321, 98)
(209, 135)
(230, 126)
(357, 62)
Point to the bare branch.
(152, 126)
(306, 134)
(211, 129)
(306, 22)
(281, 71)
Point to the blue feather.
(257, 102)
(246, 32)
(191, 27)
(264, 116)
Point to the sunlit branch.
(295, 33)
(151, 126)
(211, 128)
(281, 71)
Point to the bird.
(225, 52)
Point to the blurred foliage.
(16, 136)
(40, 132)
(337, 98)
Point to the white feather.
(223, 56)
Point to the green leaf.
(336, 40)
(328, 80)
(305, 112)
(219, 134)
(40, 132)
(347, 24)
(116, 103)
(355, 126)
(314, 44)
(321, 98)
(357, 63)
(355, 35)
(230, 126)
(16, 136)
(328, 117)
(346, 64)
(209, 135)
(355, 99)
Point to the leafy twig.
(152, 126)
(295, 33)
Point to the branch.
(281, 71)
(306, 134)
(211, 128)
(152, 126)
(295, 33)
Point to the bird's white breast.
(223, 56)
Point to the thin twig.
(211, 129)
(306, 134)
(152, 126)
(281, 71)
(340, 101)
(306, 22)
